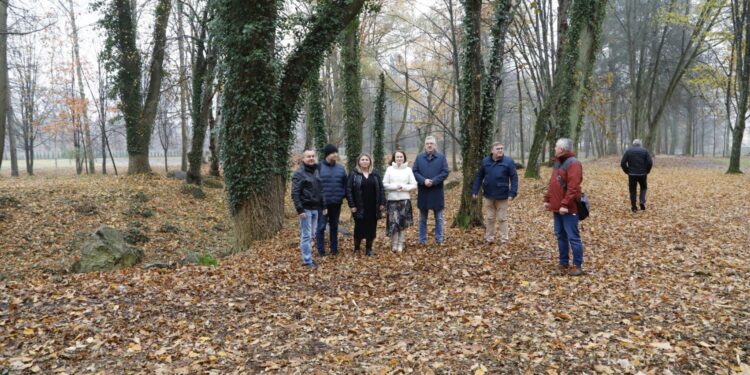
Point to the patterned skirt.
(399, 216)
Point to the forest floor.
(666, 290)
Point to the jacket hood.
(404, 165)
(565, 155)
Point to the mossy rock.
(106, 250)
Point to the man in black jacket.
(307, 194)
(637, 163)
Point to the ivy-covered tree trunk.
(316, 115)
(379, 127)
(120, 24)
(352, 95)
(259, 105)
(478, 90)
(203, 77)
(566, 105)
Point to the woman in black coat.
(366, 197)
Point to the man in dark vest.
(637, 163)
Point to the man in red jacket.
(561, 198)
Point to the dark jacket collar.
(309, 168)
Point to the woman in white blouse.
(398, 182)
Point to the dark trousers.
(332, 219)
(637, 180)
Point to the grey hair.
(565, 144)
(636, 142)
(430, 138)
(496, 144)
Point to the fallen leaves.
(666, 289)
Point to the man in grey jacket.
(637, 163)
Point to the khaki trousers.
(495, 210)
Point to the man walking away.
(637, 163)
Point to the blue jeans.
(332, 219)
(566, 231)
(439, 222)
(307, 227)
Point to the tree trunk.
(203, 77)
(379, 127)
(566, 103)
(703, 25)
(690, 126)
(316, 114)
(520, 112)
(139, 114)
(470, 213)
(183, 87)
(213, 146)
(741, 23)
(4, 91)
(352, 94)
(259, 108)
(87, 144)
(13, 150)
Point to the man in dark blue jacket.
(499, 180)
(431, 169)
(637, 163)
(333, 181)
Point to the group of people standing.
(319, 189)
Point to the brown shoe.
(562, 269)
(575, 271)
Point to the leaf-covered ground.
(666, 290)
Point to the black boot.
(368, 247)
(643, 207)
(357, 244)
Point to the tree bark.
(479, 94)
(88, 145)
(259, 108)
(183, 87)
(352, 94)
(203, 77)
(139, 114)
(741, 23)
(4, 102)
